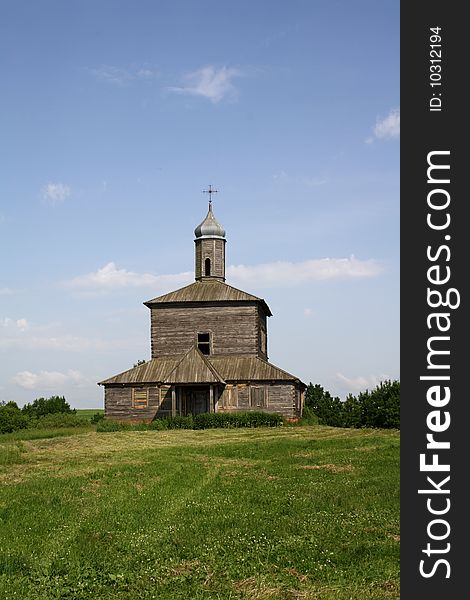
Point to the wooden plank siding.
(118, 403)
(234, 328)
(165, 400)
(281, 398)
(214, 250)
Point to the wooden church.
(209, 349)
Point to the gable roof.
(212, 290)
(194, 367)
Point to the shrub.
(323, 405)
(381, 406)
(377, 408)
(47, 406)
(108, 426)
(159, 424)
(57, 420)
(241, 419)
(308, 417)
(179, 422)
(201, 421)
(97, 417)
(11, 418)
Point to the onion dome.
(210, 227)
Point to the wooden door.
(197, 401)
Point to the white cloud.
(360, 383)
(20, 333)
(110, 277)
(284, 274)
(50, 380)
(69, 343)
(54, 193)
(276, 274)
(210, 82)
(121, 76)
(308, 312)
(387, 128)
(146, 73)
(22, 324)
(18, 324)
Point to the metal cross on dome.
(210, 191)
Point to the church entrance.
(195, 400)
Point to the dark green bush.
(179, 422)
(11, 418)
(377, 408)
(47, 406)
(381, 406)
(308, 417)
(107, 426)
(97, 417)
(201, 421)
(241, 419)
(159, 424)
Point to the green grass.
(306, 512)
(39, 434)
(89, 412)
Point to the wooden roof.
(194, 367)
(208, 291)
(154, 370)
(248, 368)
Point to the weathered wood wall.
(281, 398)
(214, 250)
(118, 403)
(234, 328)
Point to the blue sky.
(117, 114)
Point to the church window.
(232, 399)
(258, 396)
(140, 397)
(263, 342)
(204, 342)
(207, 267)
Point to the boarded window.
(204, 343)
(230, 397)
(258, 396)
(140, 398)
(263, 342)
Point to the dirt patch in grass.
(256, 588)
(329, 467)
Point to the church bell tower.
(210, 248)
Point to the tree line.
(53, 411)
(379, 407)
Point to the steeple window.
(204, 343)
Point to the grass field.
(287, 513)
(88, 412)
